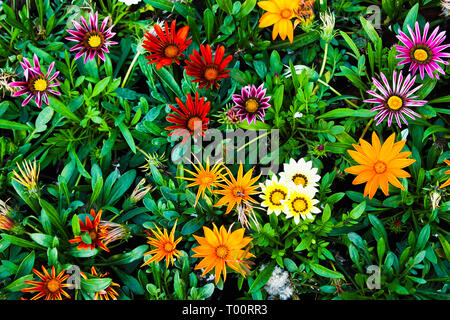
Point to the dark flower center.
(94, 40)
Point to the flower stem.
(324, 62)
(337, 93)
(130, 68)
(366, 128)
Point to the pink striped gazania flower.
(36, 84)
(421, 52)
(91, 40)
(395, 101)
(251, 103)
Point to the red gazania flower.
(206, 70)
(190, 119)
(167, 47)
(51, 286)
(96, 232)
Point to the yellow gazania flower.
(379, 164)
(29, 175)
(446, 183)
(204, 178)
(301, 204)
(51, 286)
(237, 190)
(279, 14)
(165, 246)
(273, 193)
(221, 248)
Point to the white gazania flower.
(130, 2)
(273, 192)
(300, 204)
(300, 173)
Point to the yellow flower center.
(420, 55)
(251, 105)
(238, 192)
(211, 73)
(222, 251)
(53, 285)
(191, 122)
(168, 247)
(299, 205)
(276, 196)
(94, 41)
(286, 13)
(40, 85)
(207, 179)
(380, 167)
(171, 51)
(300, 179)
(395, 102)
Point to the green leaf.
(19, 284)
(100, 86)
(128, 136)
(411, 18)
(445, 245)
(6, 124)
(125, 258)
(370, 30)
(42, 239)
(19, 241)
(75, 225)
(62, 109)
(262, 278)
(169, 81)
(25, 266)
(53, 215)
(208, 22)
(43, 117)
(358, 210)
(423, 237)
(325, 272)
(131, 282)
(345, 113)
(95, 284)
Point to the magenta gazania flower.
(36, 84)
(395, 101)
(251, 103)
(421, 52)
(91, 40)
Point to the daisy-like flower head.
(300, 204)
(279, 14)
(446, 183)
(51, 285)
(190, 119)
(422, 52)
(166, 47)
(165, 245)
(395, 101)
(305, 15)
(36, 84)
(96, 232)
(106, 293)
(222, 248)
(204, 177)
(300, 173)
(28, 176)
(273, 193)
(206, 70)
(235, 191)
(251, 103)
(91, 40)
(379, 165)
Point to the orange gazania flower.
(446, 183)
(51, 286)
(167, 47)
(96, 232)
(221, 248)
(379, 164)
(237, 190)
(204, 178)
(165, 245)
(206, 70)
(106, 293)
(279, 14)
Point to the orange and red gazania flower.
(51, 286)
(96, 232)
(106, 293)
(446, 183)
(190, 119)
(167, 47)
(206, 70)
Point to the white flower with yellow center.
(301, 203)
(300, 173)
(273, 192)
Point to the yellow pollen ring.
(53, 285)
(276, 196)
(286, 13)
(395, 102)
(380, 167)
(251, 105)
(299, 205)
(420, 55)
(221, 252)
(300, 179)
(94, 41)
(40, 85)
